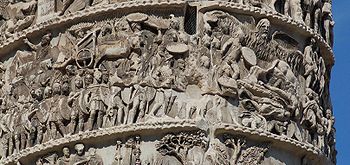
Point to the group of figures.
(17, 15)
(142, 67)
(173, 149)
(81, 157)
(317, 14)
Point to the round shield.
(136, 17)
(249, 56)
(177, 48)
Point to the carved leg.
(155, 108)
(120, 116)
(91, 120)
(53, 130)
(286, 7)
(5, 147)
(40, 135)
(142, 111)
(72, 125)
(81, 122)
(17, 138)
(132, 113)
(61, 128)
(23, 141)
(10, 140)
(99, 121)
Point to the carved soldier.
(310, 54)
(66, 158)
(54, 119)
(129, 157)
(328, 22)
(43, 48)
(293, 8)
(80, 157)
(93, 158)
(20, 126)
(138, 105)
(97, 105)
(74, 100)
(118, 154)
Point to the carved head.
(66, 151)
(98, 76)
(47, 92)
(56, 88)
(105, 76)
(39, 94)
(174, 24)
(205, 62)
(80, 149)
(65, 88)
(78, 82)
(88, 79)
(46, 39)
(328, 113)
(181, 64)
(263, 27)
(92, 151)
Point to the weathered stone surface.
(166, 82)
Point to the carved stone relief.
(141, 67)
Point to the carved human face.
(66, 152)
(46, 39)
(98, 76)
(175, 24)
(181, 64)
(78, 83)
(80, 149)
(47, 92)
(39, 94)
(264, 27)
(89, 79)
(56, 88)
(92, 151)
(328, 113)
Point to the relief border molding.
(53, 23)
(306, 149)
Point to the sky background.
(340, 80)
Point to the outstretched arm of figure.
(31, 45)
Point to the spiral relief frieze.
(166, 82)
